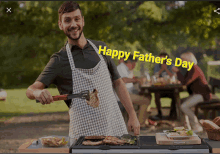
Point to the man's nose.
(73, 24)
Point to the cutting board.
(24, 148)
(162, 139)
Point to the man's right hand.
(43, 96)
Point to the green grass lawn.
(17, 104)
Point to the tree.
(31, 33)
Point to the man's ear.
(60, 25)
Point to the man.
(77, 67)
(162, 70)
(125, 70)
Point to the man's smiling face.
(72, 24)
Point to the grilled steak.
(111, 138)
(110, 142)
(114, 140)
(107, 140)
(94, 99)
(121, 141)
(94, 137)
(88, 142)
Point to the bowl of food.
(53, 141)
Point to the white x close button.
(8, 10)
(217, 10)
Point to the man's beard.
(69, 35)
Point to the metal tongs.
(82, 95)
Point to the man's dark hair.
(164, 54)
(130, 58)
(68, 6)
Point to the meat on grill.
(114, 140)
(88, 142)
(110, 142)
(94, 99)
(107, 140)
(94, 137)
(111, 138)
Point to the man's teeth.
(74, 30)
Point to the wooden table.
(214, 146)
(175, 89)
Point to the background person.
(3, 95)
(78, 66)
(125, 69)
(197, 87)
(163, 70)
(120, 61)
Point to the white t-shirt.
(124, 72)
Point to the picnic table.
(172, 88)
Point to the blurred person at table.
(197, 87)
(3, 95)
(120, 61)
(163, 70)
(125, 70)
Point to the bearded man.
(77, 67)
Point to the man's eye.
(67, 20)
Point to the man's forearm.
(169, 73)
(124, 97)
(128, 80)
(33, 88)
(29, 92)
(160, 71)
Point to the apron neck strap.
(70, 56)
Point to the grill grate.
(79, 145)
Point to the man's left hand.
(142, 80)
(134, 125)
(135, 79)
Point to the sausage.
(88, 142)
(106, 141)
(114, 140)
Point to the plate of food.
(53, 141)
(179, 133)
